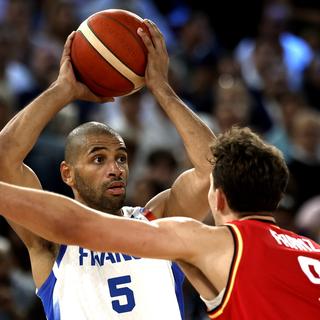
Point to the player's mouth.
(116, 188)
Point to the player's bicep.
(158, 203)
(29, 178)
(187, 197)
(20, 175)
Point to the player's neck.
(118, 213)
(265, 217)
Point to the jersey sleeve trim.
(238, 250)
(148, 214)
(178, 281)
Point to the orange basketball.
(108, 55)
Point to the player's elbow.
(9, 156)
(4, 146)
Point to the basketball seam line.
(98, 84)
(133, 34)
(137, 80)
(96, 35)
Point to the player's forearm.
(43, 213)
(51, 216)
(195, 134)
(62, 220)
(21, 133)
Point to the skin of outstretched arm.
(63, 220)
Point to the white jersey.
(105, 285)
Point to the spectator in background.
(265, 75)
(127, 116)
(8, 309)
(59, 20)
(19, 19)
(304, 164)
(280, 135)
(44, 67)
(16, 285)
(273, 28)
(21, 278)
(232, 105)
(305, 14)
(14, 76)
(311, 82)
(162, 166)
(198, 53)
(307, 220)
(6, 112)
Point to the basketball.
(108, 55)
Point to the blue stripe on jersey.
(45, 292)
(61, 253)
(179, 278)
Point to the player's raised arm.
(188, 195)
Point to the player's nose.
(114, 169)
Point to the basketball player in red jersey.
(244, 268)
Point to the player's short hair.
(76, 137)
(252, 174)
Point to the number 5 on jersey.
(117, 290)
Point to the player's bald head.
(76, 139)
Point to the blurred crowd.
(255, 65)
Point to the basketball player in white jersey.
(74, 282)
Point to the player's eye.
(122, 159)
(98, 159)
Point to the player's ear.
(67, 175)
(220, 200)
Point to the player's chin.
(116, 199)
(111, 203)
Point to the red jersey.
(275, 275)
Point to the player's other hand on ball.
(72, 88)
(158, 59)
